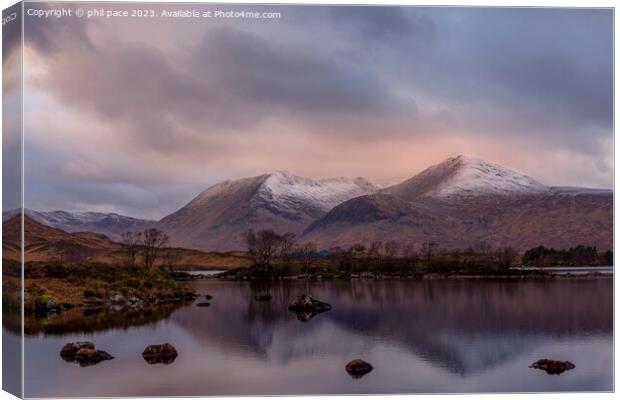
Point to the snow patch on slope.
(105, 223)
(286, 190)
(61, 218)
(472, 176)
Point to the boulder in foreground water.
(69, 350)
(86, 357)
(160, 354)
(553, 367)
(83, 353)
(358, 368)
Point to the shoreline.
(536, 274)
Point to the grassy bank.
(56, 286)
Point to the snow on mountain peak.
(466, 176)
(285, 189)
(470, 176)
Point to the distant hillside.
(44, 243)
(109, 224)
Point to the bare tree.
(507, 256)
(132, 242)
(391, 248)
(306, 252)
(374, 251)
(154, 240)
(287, 243)
(428, 248)
(265, 246)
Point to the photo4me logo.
(9, 18)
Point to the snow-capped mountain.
(457, 203)
(464, 201)
(109, 224)
(217, 217)
(465, 176)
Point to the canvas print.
(227, 199)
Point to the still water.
(421, 337)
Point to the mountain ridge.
(109, 224)
(217, 217)
(458, 202)
(464, 201)
(466, 176)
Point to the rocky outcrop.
(358, 368)
(553, 367)
(160, 354)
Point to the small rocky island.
(553, 367)
(307, 307)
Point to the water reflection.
(81, 320)
(432, 318)
(420, 336)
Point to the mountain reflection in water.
(420, 336)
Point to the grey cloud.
(546, 74)
(128, 195)
(378, 23)
(235, 80)
(275, 75)
(540, 78)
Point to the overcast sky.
(137, 116)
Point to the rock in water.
(203, 304)
(306, 307)
(307, 303)
(553, 367)
(86, 357)
(358, 368)
(69, 350)
(160, 354)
